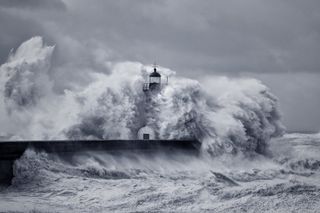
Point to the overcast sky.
(276, 41)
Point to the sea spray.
(241, 117)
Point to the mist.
(232, 115)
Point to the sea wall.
(12, 150)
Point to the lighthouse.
(154, 81)
(151, 88)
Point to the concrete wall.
(6, 171)
(12, 150)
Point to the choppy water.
(288, 180)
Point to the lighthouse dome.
(155, 74)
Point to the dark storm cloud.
(20, 20)
(221, 36)
(299, 98)
(194, 37)
(14, 30)
(228, 36)
(33, 4)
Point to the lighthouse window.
(155, 80)
(146, 136)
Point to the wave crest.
(233, 115)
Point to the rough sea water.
(247, 163)
(287, 181)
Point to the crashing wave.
(25, 75)
(241, 117)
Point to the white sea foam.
(233, 115)
(129, 182)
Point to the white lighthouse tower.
(151, 88)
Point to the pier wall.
(12, 150)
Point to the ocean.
(286, 179)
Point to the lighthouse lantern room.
(154, 80)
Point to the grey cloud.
(299, 98)
(14, 30)
(33, 4)
(232, 37)
(254, 36)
